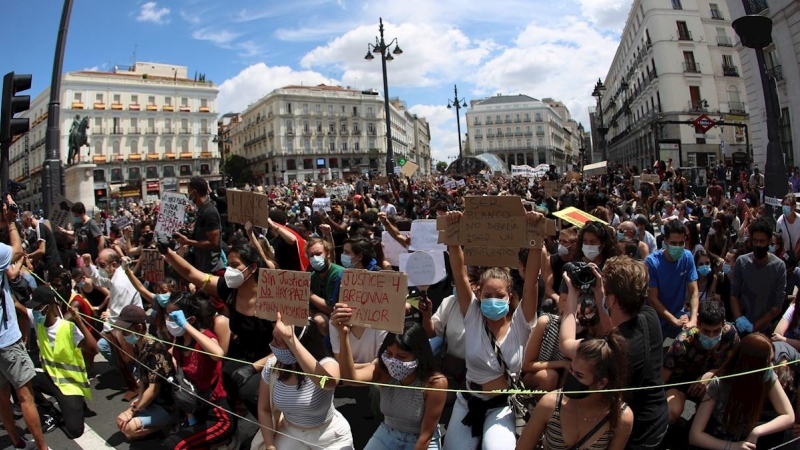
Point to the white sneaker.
(29, 445)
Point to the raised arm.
(143, 291)
(530, 291)
(188, 272)
(348, 371)
(460, 277)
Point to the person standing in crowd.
(622, 289)
(45, 254)
(150, 411)
(788, 225)
(697, 354)
(205, 239)
(88, 234)
(386, 205)
(729, 415)
(496, 332)
(758, 285)
(583, 415)
(16, 366)
(673, 278)
(108, 274)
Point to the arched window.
(184, 145)
(115, 147)
(151, 146)
(98, 147)
(204, 145)
(167, 146)
(134, 147)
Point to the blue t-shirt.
(671, 278)
(9, 332)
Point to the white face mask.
(591, 252)
(234, 278)
(562, 250)
(175, 329)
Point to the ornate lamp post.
(599, 88)
(381, 47)
(458, 103)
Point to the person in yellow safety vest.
(61, 345)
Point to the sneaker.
(27, 445)
(49, 423)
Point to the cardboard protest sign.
(286, 292)
(491, 256)
(595, 169)
(425, 237)
(551, 188)
(171, 213)
(152, 266)
(122, 222)
(573, 176)
(409, 168)
(246, 207)
(424, 268)
(60, 214)
(378, 299)
(576, 217)
(321, 204)
(461, 183)
(393, 249)
(650, 178)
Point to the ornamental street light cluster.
(458, 103)
(382, 47)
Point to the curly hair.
(628, 280)
(606, 236)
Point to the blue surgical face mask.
(283, 355)
(38, 316)
(80, 284)
(704, 270)
(162, 299)
(494, 308)
(772, 249)
(787, 210)
(726, 269)
(605, 306)
(620, 236)
(77, 220)
(132, 339)
(347, 261)
(318, 263)
(707, 342)
(768, 374)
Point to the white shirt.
(121, 292)
(389, 209)
(364, 349)
(448, 320)
(650, 240)
(786, 229)
(482, 365)
(77, 336)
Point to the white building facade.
(675, 62)
(518, 129)
(783, 68)
(150, 130)
(323, 133)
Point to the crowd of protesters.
(671, 296)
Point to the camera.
(587, 315)
(11, 207)
(581, 275)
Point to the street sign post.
(704, 123)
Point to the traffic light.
(100, 195)
(13, 104)
(401, 162)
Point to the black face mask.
(574, 389)
(760, 252)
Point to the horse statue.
(77, 137)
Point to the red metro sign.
(704, 123)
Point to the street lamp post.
(458, 103)
(221, 141)
(381, 47)
(599, 88)
(755, 32)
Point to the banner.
(424, 268)
(595, 169)
(286, 292)
(321, 204)
(246, 207)
(152, 266)
(425, 237)
(60, 211)
(378, 299)
(171, 213)
(393, 249)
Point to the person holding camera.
(88, 233)
(205, 238)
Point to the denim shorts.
(387, 438)
(153, 416)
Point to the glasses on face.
(103, 265)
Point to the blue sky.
(542, 48)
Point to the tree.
(238, 169)
(441, 166)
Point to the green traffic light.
(402, 161)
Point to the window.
(330, 110)
(528, 143)
(289, 126)
(134, 124)
(78, 97)
(99, 175)
(498, 119)
(333, 163)
(115, 147)
(331, 127)
(372, 143)
(319, 144)
(134, 99)
(306, 128)
(167, 146)
(308, 164)
(683, 31)
(508, 118)
(185, 146)
(98, 147)
(117, 98)
(98, 124)
(291, 164)
(204, 103)
(98, 98)
(134, 173)
(479, 145)
(151, 172)
(116, 175)
(344, 147)
(169, 171)
(370, 111)
(305, 108)
(168, 101)
(695, 98)
(318, 109)
(371, 128)
(319, 127)
(186, 170)
(289, 108)
(184, 101)
(540, 143)
(205, 169)
(151, 100)
(538, 117)
(355, 111)
(204, 145)
(715, 12)
(332, 145)
(344, 109)
(356, 147)
(676, 4)
(307, 144)
(688, 63)
(134, 146)
(151, 146)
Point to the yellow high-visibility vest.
(63, 360)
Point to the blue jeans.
(153, 416)
(105, 350)
(387, 438)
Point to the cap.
(640, 219)
(357, 197)
(42, 295)
(130, 315)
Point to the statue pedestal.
(79, 185)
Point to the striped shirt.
(308, 406)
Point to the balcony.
(204, 109)
(134, 131)
(135, 157)
(153, 157)
(540, 132)
(77, 105)
(758, 6)
(344, 132)
(527, 119)
(185, 109)
(168, 108)
(371, 116)
(271, 134)
(730, 71)
(115, 130)
(724, 41)
(99, 105)
(477, 123)
(517, 120)
(499, 134)
(186, 131)
(716, 14)
(356, 132)
(684, 35)
(478, 136)
(186, 155)
(518, 133)
(371, 132)
(168, 130)
(169, 155)
(508, 120)
(529, 133)
(775, 73)
(151, 108)
(205, 130)
(306, 132)
(290, 132)
(151, 131)
(736, 107)
(134, 107)
(99, 159)
(490, 135)
(489, 122)
(116, 106)
(205, 154)
(691, 67)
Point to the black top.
(649, 406)
(254, 334)
(86, 236)
(51, 258)
(557, 267)
(287, 256)
(207, 220)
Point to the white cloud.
(216, 36)
(606, 14)
(258, 80)
(433, 53)
(151, 13)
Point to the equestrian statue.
(77, 138)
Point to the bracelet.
(728, 445)
(205, 282)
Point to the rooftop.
(504, 99)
